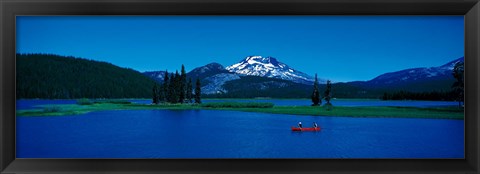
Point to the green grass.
(52, 109)
(383, 111)
(84, 101)
(236, 105)
(119, 101)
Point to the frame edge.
(472, 39)
(7, 99)
(8, 43)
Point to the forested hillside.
(57, 77)
(253, 86)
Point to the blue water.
(233, 134)
(37, 104)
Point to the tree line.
(434, 96)
(456, 94)
(176, 89)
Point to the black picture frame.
(11, 8)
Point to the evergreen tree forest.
(198, 92)
(175, 89)
(49, 76)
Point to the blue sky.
(340, 48)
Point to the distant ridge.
(416, 79)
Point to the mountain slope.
(158, 76)
(207, 71)
(269, 67)
(212, 77)
(415, 79)
(59, 77)
(255, 86)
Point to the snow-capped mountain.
(269, 67)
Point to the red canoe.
(306, 129)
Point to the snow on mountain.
(417, 74)
(450, 65)
(269, 67)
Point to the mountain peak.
(209, 67)
(207, 70)
(215, 65)
(260, 59)
(268, 67)
(253, 57)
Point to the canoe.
(306, 129)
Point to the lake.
(232, 134)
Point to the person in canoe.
(300, 124)
(315, 124)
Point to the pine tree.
(166, 84)
(176, 88)
(160, 94)
(189, 91)
(171, 89)
(182, 85)
(155, 94)
(327, 93)
(385, 96)
(459, 85)
(316, 94)
(197, 92)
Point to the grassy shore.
(381, 112)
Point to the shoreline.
(337, 111)
(266, 98)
